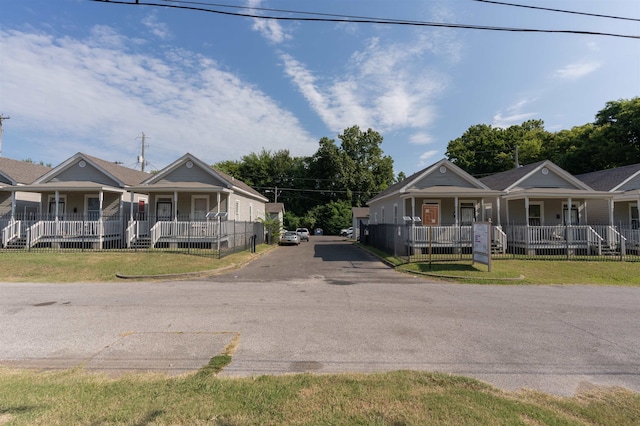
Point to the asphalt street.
(327, 306)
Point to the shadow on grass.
(445, 267)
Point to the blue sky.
(77, 75)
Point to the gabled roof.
(360, 212)
(228, 182)
(610, 179)
(411, 185)
(510, 179)
(123, 176)
(274, 208)
(21, 172)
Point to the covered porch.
(177, 218)
(443, 218)
(71, 215)
(555, 220)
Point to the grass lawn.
(30, 397)
(59, 267)
(519, 272)
(395, 398)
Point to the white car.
(303, 233)
(290, 237)
(347, 232)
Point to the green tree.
(333, 216)
(481, 150)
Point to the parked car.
(303, 233)
(290, 237)
(318, 231)
(347, 232)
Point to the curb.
(208, 272)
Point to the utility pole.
(2, 117)
(141, 158)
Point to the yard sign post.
(481, 243)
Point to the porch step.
(17, 244)
(141, 243)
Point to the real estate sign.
(482, 243)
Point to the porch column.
(175, 206)
(569, 219)
(219, 202)
(611, 207)
(482, 210)
(455, 214)
(526, 210)
(586, 218)
(101, 200)
(100, 224)
(13, 205)
(413, 207)
(498, 210)
(57, 195)
(131, 207)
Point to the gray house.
(13, 175)
(14, 203)
(624, 184)
(190, 201)
(442, 201)
(80, 202)
(540, 200)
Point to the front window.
(570, 218)
(535, 215)
(61, 206)
(635, 218)
(164, 208)
(200, 207)
(467, 214)
(93, 207)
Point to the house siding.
(75, 173)
(551, 180)
(184, 174)
(631, 185)
(442, 179)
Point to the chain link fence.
(209, 237)
(453, 243)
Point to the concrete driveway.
(326, 306)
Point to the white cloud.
(157, 28)
(421, 138)
(268, 28)
(426, 156)
(72, 95)
(514, 114)
(386, 87)
(576, 71)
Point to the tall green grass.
(395, 398)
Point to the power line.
(597, 15)
(382, 21)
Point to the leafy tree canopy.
(349, 174)
(612, 140)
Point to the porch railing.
(90, 229)
(499, 239)
(442, 234)
(184, 230)
(11, 231)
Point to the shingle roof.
(606, 180)
(125, 174)
(501, 181)
(360, 212)
(21, 172)
(238, 183)
(274, 207)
